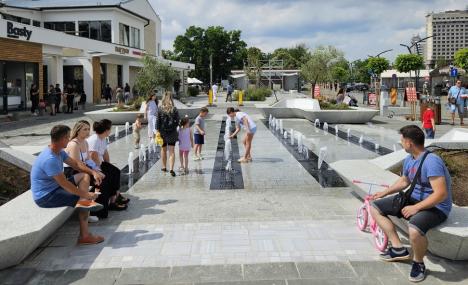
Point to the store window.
(16, 19)
(66, 27)
(16, 79)
(124, 34)
(135, 37)
(96, 30)
(36, 23)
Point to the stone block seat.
(306, 108)
(448, 240)
(25, 226)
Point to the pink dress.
(184, 140)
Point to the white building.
(450, 33)
(87, 43)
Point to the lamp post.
(417, 51)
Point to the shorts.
(457, 107)
(253, 130)
(59, 198)
(170, 138)
(199, 139)
(423, 220)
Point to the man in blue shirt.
(51, 189)
(457, 92)
(430, 205)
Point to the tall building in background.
(450, 33)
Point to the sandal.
(164, 169)
(122, 200)
(172, 173)
(117, 207)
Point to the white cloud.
(358, 28)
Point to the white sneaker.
(93, 219)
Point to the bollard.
(130, 162)
(127, 127)
(241, 98)
(210, 97)
(116, 132)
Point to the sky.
(358, 28)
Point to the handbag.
(158, 139)
(453, 100)
(402, 199)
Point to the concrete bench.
(25, 226)
(448, 240)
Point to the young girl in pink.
(185, 144)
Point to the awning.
(193, 81)
(237, 75)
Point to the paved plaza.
(282, 228)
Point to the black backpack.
(169, 121)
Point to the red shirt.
(427, 116)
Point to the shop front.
(20, 67)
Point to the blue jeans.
(58, 198)
(430, 133)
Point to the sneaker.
(90, 240)
(93, 219)
(88, 205)
(196, 158)
(418, 272)
(393, 254)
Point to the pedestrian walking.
(151, 114)
(185, 144)
(34, 97)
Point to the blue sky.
(359, 28)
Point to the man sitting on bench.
(429, 206)
(51, 189)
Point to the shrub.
(257, 94)
(193, 91)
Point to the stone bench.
(448, 240)
(25, 226)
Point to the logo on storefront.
(122, 50)
(16, 33)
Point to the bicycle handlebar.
(372, 184)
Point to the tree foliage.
(377, 64)
(318, 67)
(154, 74)
(293, 57)
(253, 69)
(360, 72)
(409, 62)
(197, 45)
(461, 58)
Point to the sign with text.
(411, 94)
(316, 91)
(15, 33)
(372, 99)
(122, 50)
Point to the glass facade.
(135, 36)
(66, 27)
(124, 34)
(16, 79)
(96, 30)
(16, 19)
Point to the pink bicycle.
(365, 219)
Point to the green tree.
(253, 70)
(168, 54)
(409, 62)
(293, 57)
(360, 71)
(197, 45)
(339, 74)
(461, 58)
(377, 65)
(318, 67)
(154, 74)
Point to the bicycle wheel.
(380, 239)
(362, 218)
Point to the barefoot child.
(136, 130)
(199, 133)
(185, 144)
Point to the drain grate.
(325, 176)
(220, 178)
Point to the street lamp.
(378, 55)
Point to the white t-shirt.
(97, 145)
(239, 120)
(215, 89)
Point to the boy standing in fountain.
(199, 133)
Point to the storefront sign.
(122, 50)
(136, 52)
(15, 33)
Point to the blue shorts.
(457, 107)
(198, 139)
(59, 198)
(253, 130)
